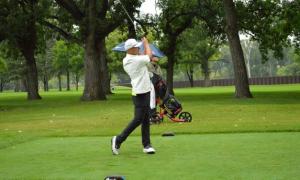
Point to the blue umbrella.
(155, 51)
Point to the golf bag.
(172, 105)
(168, 104)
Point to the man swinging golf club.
(135, 66)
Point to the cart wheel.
(185, 116)
(156, 119)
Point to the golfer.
(135, 66)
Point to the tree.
(196, 47)
(222, 65)
(176, 17)
(45, 64)
(256, 65)
(292, 69)
(3, 66)
(76, 62)
(95, 19)
(61, 62)
(271, 24)
(68, 58)
(291, 15)
(232, 31)
(3, 70)
(14, 69)
(247, 47)
(19, 26)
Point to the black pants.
(141, 116)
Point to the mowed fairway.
(208, 156)
(60, 137)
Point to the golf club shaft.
(132, 21)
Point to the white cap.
(130, 43)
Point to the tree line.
(80, 29)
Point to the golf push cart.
(168, 105)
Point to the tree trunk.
(24, 85)
(104, 70)
(77, 81)
(94, 83)
(206, 73)
(27, 45)
(59, 82)
(93, 87)
(1, 84)
(248, 67)
(190, 74)
(207, 81)
(45, 82)
(170, 52)
(248, 49)
(270, 69)
(32, 78)
(241, 79)
(68, 80)
(17, 86)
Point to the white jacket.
(136, 67)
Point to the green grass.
(214, 110)
(210, 156)
(61, 137)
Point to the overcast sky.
(148, 7)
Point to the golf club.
(132, 21)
